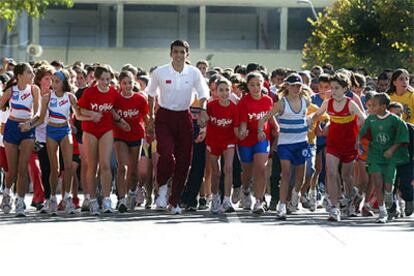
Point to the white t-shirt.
(176, 89)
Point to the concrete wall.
(147, 58)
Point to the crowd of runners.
(183, 137)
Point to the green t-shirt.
(382, 134)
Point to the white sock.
(226, 198)
(282, 206)
(67, 195)
(87, 196)
(382, 207)
(7, 191)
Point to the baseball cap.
(294, 79)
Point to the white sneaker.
(247, 200)
(227, 206)
(140, 195)
(294, 201)
(94, 207)
(259, 208)
(313, 202)
(6, 204)
(235, 196)
(281, 211)
(20, 208)
(334, 214)
(383, 216)
(107, 205)
(162, 201)
(215, 204)
(132, 200)
(69, 209)
(53, 206)
(122, 205)
(175, 210)
(46, 207)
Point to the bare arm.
(38, 119)
(277, 108)
(354, 109)
(5, 98)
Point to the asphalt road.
(157, 243)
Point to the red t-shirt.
(93, 99)
(221, 124)
(251, 111)
(132, 110)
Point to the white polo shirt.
(175, 90)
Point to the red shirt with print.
(221, 124)
(103, 102)
(132, 109)
(251, 111)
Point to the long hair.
(392, 89)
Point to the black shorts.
(130, 144)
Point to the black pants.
(403, 180)
(45, 168)
(275, 177)
(196, 175)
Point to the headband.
(60, 75)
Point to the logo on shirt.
(15, 95)
(168, 81)
(221, 122)
(102, 107)
(53, 102)
(65, 101)
(25, 96)
(256, 116)
(130, 113)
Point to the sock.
(7, 191)
(282, 206)
(66, 196)
(382, 207)
(87, 196)
(226, 198)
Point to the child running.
(386, 133)
(222, 131)
(341, 145)
(293, 147)
(253, 152)
(133, 108)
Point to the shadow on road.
(245, 217)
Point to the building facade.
(227, 32)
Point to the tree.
(363, 33)
(10, 9)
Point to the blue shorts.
(296, 153)
(13, 135)
(246, 153)
(57, 133)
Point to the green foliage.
(10, 9)
(374, 34)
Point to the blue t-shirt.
(320, 140)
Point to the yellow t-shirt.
(312, 108)
(407, 100)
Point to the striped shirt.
(293, 125)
